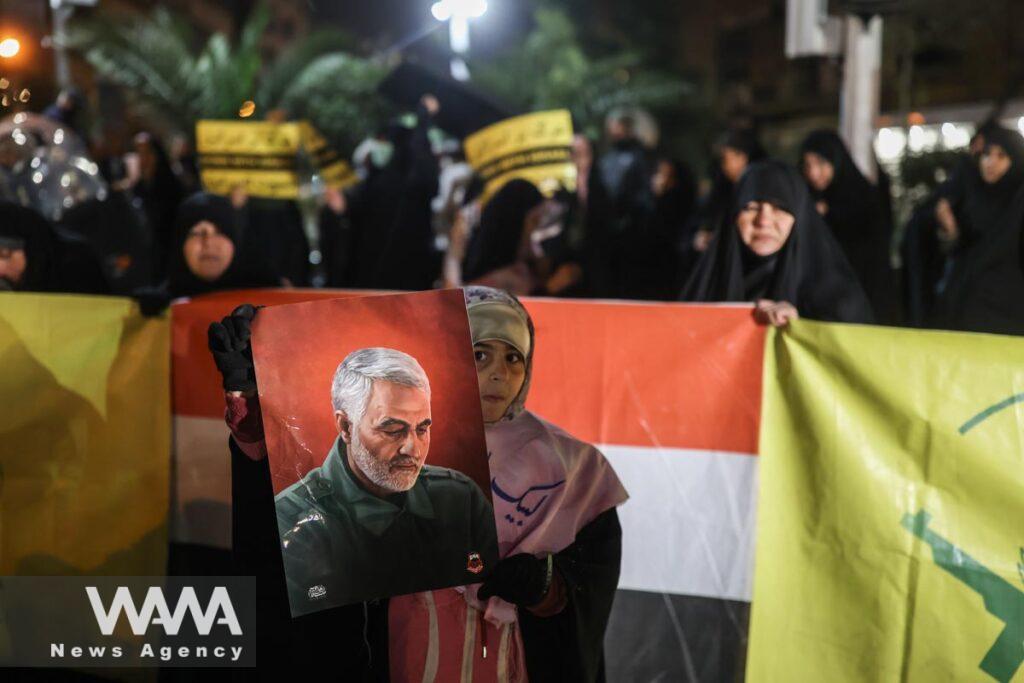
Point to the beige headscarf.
(497, 315)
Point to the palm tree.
(550, 70)
(177, 79)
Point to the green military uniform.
(341, 544)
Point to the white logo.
(141, 620)
(317, 591)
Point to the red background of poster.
(298, 347)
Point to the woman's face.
(994, 164)
(13, 263)
(500, 370)
(733, 163)
(818, 171)
(763, 227)
(208, 252)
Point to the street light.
(9, 47)
(458, 13)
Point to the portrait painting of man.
(378, 514)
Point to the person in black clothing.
(657, 253)
(498, 241)
(853, 208)
(776, 251)
(924, 254)
(118, 234)
(735, 150)
(36, 257)
(206, 254)
(270, 232)
(159, 193)
(625, 175)
(984, 289)
(390, 212)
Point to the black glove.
(229, 344)
(521, 579)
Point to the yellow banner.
(535, 147)
(84, 436)
(891, 510)
(267, 159)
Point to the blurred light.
(9, 47)
(36, 161)
(247, 109)
(20, 117)
(37, 177)
(1020, 125)
(65, 180)
(5, 100)
(4, 83)
(24, 95)
(58, 136)
(466, 9)
(915, 118)
(19, 137)
(890, 143)
(923, 138)
(954, 136)
(441, 11)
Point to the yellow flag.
(264, 158)
(536, 147)
(891, 511)
(84, 436)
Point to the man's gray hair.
(353, 380)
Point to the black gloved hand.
(229, 344)
(521, 579)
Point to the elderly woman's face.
(994, 164)
(208, 252)
(818, 171)
(500, 371)
(764, 227)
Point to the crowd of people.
(815, 239)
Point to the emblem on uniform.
(316, 592)
(474, 563)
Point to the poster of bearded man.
(376, 443)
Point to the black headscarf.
(857, 216)
(240, 274)
(23, 228)
(809, 270)
(495, 242)
(985, 204)
(391, 215)
(55, 260)
(985, 290)
(715, 205)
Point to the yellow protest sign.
(84, 436)
(535, 147)
(891, 510)
(267, 159)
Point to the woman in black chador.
(855, 211)
(776, 250)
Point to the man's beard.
(379, 471)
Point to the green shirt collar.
(376, 514)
